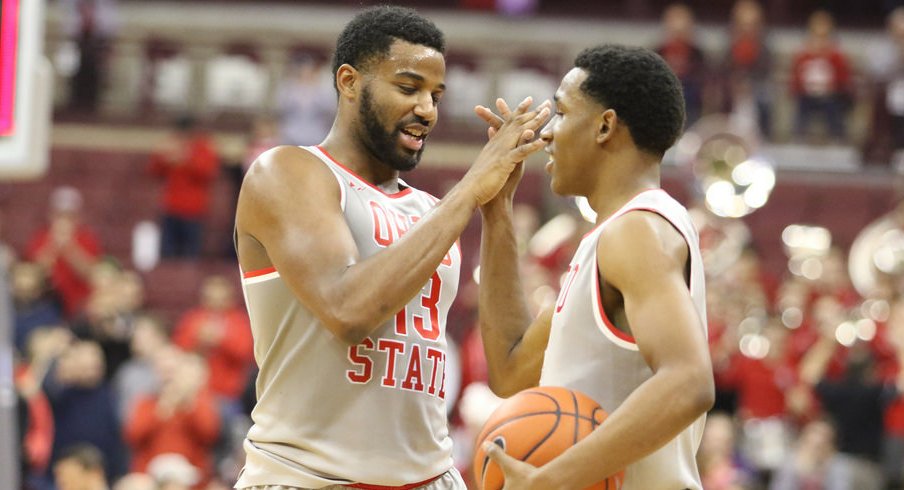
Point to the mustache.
(411, 121)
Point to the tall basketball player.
(629, 325)
(349, 273)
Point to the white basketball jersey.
(373, 413)
(587, 353)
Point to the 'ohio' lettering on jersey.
(422, 367)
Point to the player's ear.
(606, 125)
(348, 81)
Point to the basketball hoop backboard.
(25, 90)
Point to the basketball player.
(349, 273)
(628, 327)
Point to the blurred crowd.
(819, 91)
(808, 370)
(109, 388)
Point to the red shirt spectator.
(183, 419)
(219, 332)
(820, 73)
(66, 249)
(188, 164)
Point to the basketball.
(535, 426)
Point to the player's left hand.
(518, 474)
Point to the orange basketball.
(535, 426)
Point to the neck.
(346, 147)
(632, 175)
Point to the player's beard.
(384, 145)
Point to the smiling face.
(398, 103)
(571, 136)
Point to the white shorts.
(450, 480)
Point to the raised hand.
(494, 122)
(511, 142)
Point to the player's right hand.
(510, 143)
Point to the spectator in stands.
(264, 135)
(33, 308)
(684, 57)
(218, 331)
(83, 407)
(44, 346)
(172, 471)
(109, 313)
(136, 481)
(886, 80)
(854, 402)
(66, 249)
(138, 377)
(821, 79)
(814, 464)
(893, 447)
(182, 418)
(91, 24)
(721, 467)
(761, 379)
(188, 164)
(748, 68)
(80, 467)
(306, 102)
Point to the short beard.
(383, 145)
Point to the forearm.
(81, 261)
(650, 417)
(371, 291)
(503, 314)
(816, 361)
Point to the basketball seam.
(507, 421)
(558, 414)
(577, 421)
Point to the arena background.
(123, 73)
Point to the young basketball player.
(629, 325)
(349, 273)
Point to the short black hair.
(641, 88)
(370, 34)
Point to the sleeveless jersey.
(373, 413)
(587, 353)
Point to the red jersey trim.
(410, 486)
(259, 272)
(598, 295)
(599, 306)
(397, 195)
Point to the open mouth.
(413, 137)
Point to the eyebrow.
(417, 77)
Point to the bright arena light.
(846, 334)
(754, 346)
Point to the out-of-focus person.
(188, 164)
(66, 249)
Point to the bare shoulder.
(287, 189)
(283, 175)
(284, 166)
(642, 239)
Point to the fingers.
(522, 151)
(503, 107)
(498, 456)
(489, 116)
